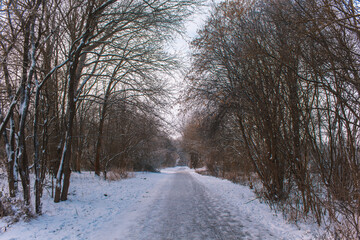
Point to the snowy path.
(183, 206)
(183, 209)
(174, 204)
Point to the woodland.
(274, 92)
(271, 99)
(83, 84)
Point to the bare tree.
(55, 58)
(287, 72)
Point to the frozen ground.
(174, 204)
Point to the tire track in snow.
(184, 209)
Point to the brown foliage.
(278, 85)
(118, 174)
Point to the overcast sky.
(181, 47)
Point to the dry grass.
(203, 172)
(12, 210)
(118, 174)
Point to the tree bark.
(100, 131)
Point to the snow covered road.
(185, 205)
(174, 204)
(183, 209)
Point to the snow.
(92, 203)
(98, 209)
(249, 207)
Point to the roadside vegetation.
(274, 96)
(83, 87)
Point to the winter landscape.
(180, 119)
(174, 204)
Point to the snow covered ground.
(137, 206)
(256, 213)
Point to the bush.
(117, 174)
(12, 210)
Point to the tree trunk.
(21, 155)
(100, 133)
(10, 143)
(11, 167)
(37, 167)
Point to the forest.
(83, 85)
(270, 99)
(274, 92)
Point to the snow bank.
(98, 209)
(257, 215)
(92, 204)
